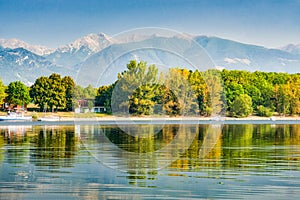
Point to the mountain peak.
(14, 43)
(80, 49)
(91, 42)
(291, 48)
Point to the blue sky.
(271, 23)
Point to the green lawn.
(67, 114)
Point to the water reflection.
(41, 145)
(145, 148)
(57, 146)
(139, 143)
(172, 161)
(247, 146)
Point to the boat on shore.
(13, 116)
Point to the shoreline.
(112, 120)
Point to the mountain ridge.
(291, 48)
(92, 50)
(80, 49)
(21, 64)
(223, 53)
(14, 43)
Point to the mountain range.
(15, 43)
(97, 58)
(21, 64)
(79, 50)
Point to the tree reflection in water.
(53, 146)
(142, 150)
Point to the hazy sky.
(271, 23)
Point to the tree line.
(48, 93)
(141, 90)
(144, 90)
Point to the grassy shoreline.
(71, 116)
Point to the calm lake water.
(150, 161)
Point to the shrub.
(241, 106)
(264, 112)
(34, 116)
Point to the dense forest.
(145, 90)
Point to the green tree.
(261, 80)
(232, 91)
(69, 85)
(281, 99)
(214, 82)
(103, 97)
(264, 112)
(57, 92)
(254, 93)
(78, 92)
(199, 86)
(89, 92)
(182, 94)
(292, 89)
(132, 82)
(49, 92)
(17, 94)
(141, 102)
(169, 102)
(2, 92)
(242, 106)
(39, 92)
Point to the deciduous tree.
(39, 92)
(242, 106)
(49, 92)
(137, 79)
(17, 94)
(57, 92)
(69, 85)
(2, 92)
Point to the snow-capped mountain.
(80, 49)
(21, 64)
(97, 58)
(234, 55)
(102, 67)
(15, 43)
(291, 48)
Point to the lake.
(150, 161)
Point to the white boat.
(12, 116)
